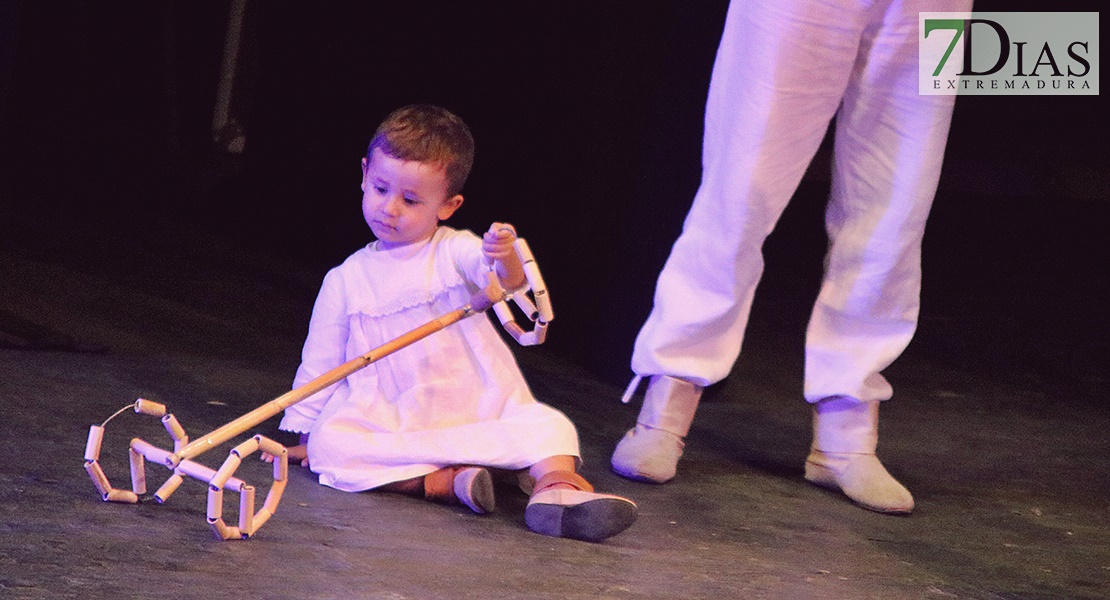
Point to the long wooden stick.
(479, 302)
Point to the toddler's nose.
(392, 207)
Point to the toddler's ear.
(449, 207)
(362, 182)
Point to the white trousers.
(783, 69)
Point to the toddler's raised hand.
(497, 246)
(497, 243)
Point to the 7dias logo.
(1019, 53)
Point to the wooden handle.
(479, 303)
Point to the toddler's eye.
(379, 189)
(411, 201)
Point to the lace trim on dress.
(414, 299)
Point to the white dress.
(455, 397)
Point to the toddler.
(432, 419)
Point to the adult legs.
(889, 146)
(781, 69)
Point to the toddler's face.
(403, 200)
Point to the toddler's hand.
(497, 243)
(297, 455)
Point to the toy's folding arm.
(537, 309)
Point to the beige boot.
(845, 435)
(650, 451)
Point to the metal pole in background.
(226, 130)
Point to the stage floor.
(1011, 479)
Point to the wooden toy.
(180, 460)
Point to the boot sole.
(478, 493)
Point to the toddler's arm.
(324, 349)
(497, 246)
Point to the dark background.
(588, 119)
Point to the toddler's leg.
(563, 504)
(471, 486)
